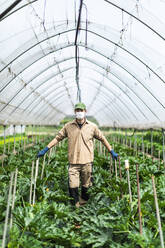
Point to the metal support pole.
(31, 184)
(4, 145)
(135, 145)
(163, 147)
(9, 145)
(35, 181)
(129, 183)
(151, 142)
(126, 137)
(139, 203)
(36, 134)
(157, 212)
(120, 174)
(27, 134)
(7, 211)
(142, 144)
(32, 133)
(21, 137)
(14, 151)
(13, 199)
(39, 134)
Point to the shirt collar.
(75, 122)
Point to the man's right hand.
(42, 152)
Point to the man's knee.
(73, 177)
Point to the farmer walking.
(80, 133)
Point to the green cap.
(80, 105)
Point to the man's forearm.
(52, 143)
(107, 145)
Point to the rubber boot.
(74, 194)
(84, 193)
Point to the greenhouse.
(82, 123)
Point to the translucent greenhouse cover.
(110, 54)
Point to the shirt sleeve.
(99, 136)
(60, 136)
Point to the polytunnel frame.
(53, 96)
(104, 86)
(89, 31)
(98, 53)
(109, 90)
(88, 60)
(13, 12)
(63, 95)
(102, 93)
(135, 17)
(71, 68)
(107, 1)
(94, 33)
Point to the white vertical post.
(31, 183)
(129, 183)
(35, 180)
(14, 151)
(157, 212)
(7, 211)
(4, 146)
(43, 167)
(13, 198)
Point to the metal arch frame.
(59, 97)
(46, 96)
(127, 12)
(103, 111)
(65, 94)
(101, 55)
(113, 93)
(9, 8)
(88, 60)
(94, 33)
(17, 10)
(34, 99)
(109, 2)
(97, 72)
(104, 86)
(44, 83)
(103, 93)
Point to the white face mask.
(80, 115)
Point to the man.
(80, 133)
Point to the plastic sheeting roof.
(116, 65)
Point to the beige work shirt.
(80, 141)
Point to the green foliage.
(107, 220)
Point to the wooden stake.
(157, 212)
(139, 203)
